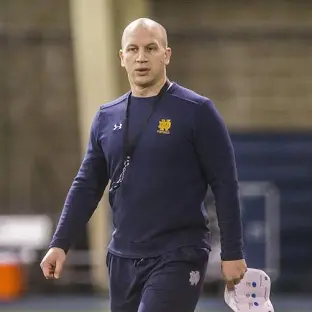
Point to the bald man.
(161, 145)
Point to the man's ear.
(167, 56)
(121, 58)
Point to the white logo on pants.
(194, 278)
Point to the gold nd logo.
(164, 126)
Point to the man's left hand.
(233, 272)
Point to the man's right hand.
(52, 263)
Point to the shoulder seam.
(205, 99)
(97, 123)
(113, 103)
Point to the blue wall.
(285, 160)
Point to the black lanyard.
(130, 146)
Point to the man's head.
(144, 52)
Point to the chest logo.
(164, 126)
(117, 126)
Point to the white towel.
(251, 294)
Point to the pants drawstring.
(138, 262)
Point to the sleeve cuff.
(232, 256)
(60, 243)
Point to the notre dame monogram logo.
(164, 126)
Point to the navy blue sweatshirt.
(159, 206)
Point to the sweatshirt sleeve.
(85, 193)
(216, 154)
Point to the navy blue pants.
(168, 283)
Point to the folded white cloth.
(251, 294)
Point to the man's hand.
(52, 263)
(233, 272)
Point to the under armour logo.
(194, 278)
(117, 126)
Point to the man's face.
(145, 56)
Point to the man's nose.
(141, 57)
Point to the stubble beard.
(145, 83)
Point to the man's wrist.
(59, 243)
(232, 255)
